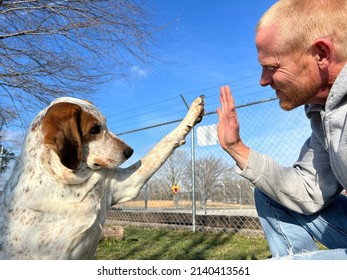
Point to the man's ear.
(324, 52)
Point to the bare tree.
(5, 157)
(174, 170)
(54, 48)
(6, 115)
(158, 190)
(209, 173)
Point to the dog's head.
(76, 131)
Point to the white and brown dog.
(55, 203)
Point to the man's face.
(294, 77)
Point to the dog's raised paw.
(196, 111)
(202, 98)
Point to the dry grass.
(171, 204)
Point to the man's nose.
(266, 78)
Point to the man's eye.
(95, 129)
(270, 68)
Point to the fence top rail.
(206, 114)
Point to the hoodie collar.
(337, 93)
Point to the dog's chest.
(58, 222)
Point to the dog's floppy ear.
(62, 133)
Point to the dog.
(67, 177)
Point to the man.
(302, 48)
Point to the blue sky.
(206, 44)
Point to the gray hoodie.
(320, 172)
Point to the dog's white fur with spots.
(67, 177)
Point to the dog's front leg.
(127, 183)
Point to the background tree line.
(215, 181)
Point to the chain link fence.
(218, 198)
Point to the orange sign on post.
(175, 188)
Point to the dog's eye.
(95, 129)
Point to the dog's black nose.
(128, 152)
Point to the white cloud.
(138, 72)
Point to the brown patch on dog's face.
(62, 133)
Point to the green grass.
(162, 244)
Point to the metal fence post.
(193, 183)
(146, 196)
(193, 173)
